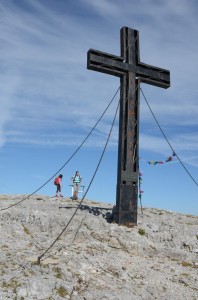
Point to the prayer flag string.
(152, 162)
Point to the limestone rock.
(94, 259)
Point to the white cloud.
(45, 84)
(184, 145)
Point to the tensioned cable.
(79, 227)
(68, 159)
(63, 230)
(167, 139)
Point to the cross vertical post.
(131, 72)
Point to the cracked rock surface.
(94, 258)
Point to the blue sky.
(50, 101)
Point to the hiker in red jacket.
(57, 182)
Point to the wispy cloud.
(46, 88)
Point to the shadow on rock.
(96, 211)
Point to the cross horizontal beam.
(116, 65)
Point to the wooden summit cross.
(131, 72)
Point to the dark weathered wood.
(131, 72)
(114, 66)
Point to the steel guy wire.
(67, 160)
(63, 230)
(168, 140)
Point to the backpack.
(78, 180)
(56, 181)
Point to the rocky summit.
(51, 250)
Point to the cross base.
(125, 212)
